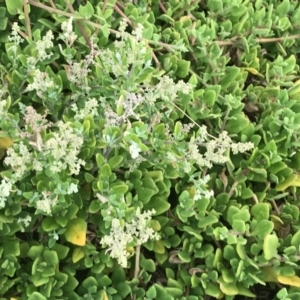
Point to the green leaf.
(105, 171)
(3, 22)
(283, 8)
(14, 6)
(95, 206)
(263, 228)
(148, 265)
(123, 289)
(159, 247)
(86, 11)
(260, 211)
(115, 161)
(151, 293)
(206, 221)
(244, 291)
(230, 75)
(35, 295)
(35, 251)
(183, 67)
(159, 204)
(51, 257)
(119, 188)
(99, 160)
(270, 246)
(49, 224)
(210, 97)
(295, 241)
(61, 250)
(239, 226)
(77, 254)
(236, 125)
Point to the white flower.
(73, 188)
(55, 236)
(68, 35)
(18, 157)
(134, 150)
(90, 108)
(43, 45)
(26, 221)
(46, 203)
(120, 236)
(5, 188)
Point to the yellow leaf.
(104, 295)
(130, 249)
(76, 232)
(289, 280)
(277, 222)
(184, 18)
(229, 289)
(192, 191)
(252, 71)
(292, 180)
(5, 141)
(77, 254)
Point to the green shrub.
(149, 150)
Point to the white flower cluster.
(137, 231)
(41, 83)
(46, 203)
(90, 108)
(68, 36)
(15, 38)
(24, 221)
(215, 148)
(63, 148)
(134, 150)
(18, 157)
(166, 90)
(201, 190)
(44, 44)
(5, 188)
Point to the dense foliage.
(149, 149)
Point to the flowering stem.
(119, 11)
(79, 25)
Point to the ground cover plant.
(149, 149)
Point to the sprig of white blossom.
(138, 231)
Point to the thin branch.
(137, 264)
(52, 3)
(260, 40)
(235, 184)
(162, 7)
(104, 6)
(120, 4)
(27, 19)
